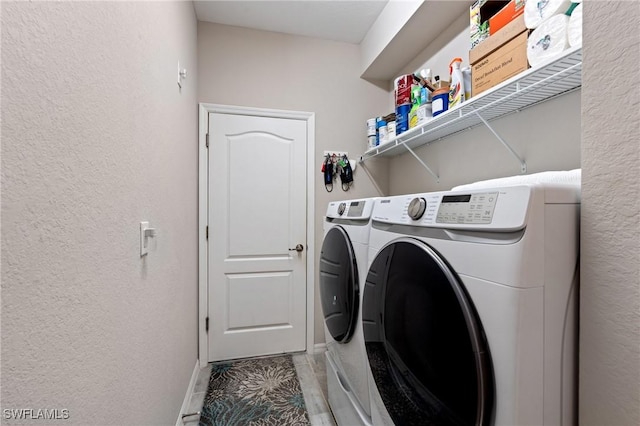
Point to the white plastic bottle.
(456, 89)
(466, 79)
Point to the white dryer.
(469, 309)
(343, 268)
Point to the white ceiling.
(338, 20)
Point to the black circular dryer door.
(339, 290)
(424, 341)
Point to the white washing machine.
(469, 309)
(343, 268)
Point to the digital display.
(356, 209)
(456, 198)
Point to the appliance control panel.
(356, 208)
(467, 208)
(352, 209)
(498, 209)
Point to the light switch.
(145, 233)
(143, 240)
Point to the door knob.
(299, 248)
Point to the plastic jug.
(456, 89)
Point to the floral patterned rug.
(259, 391)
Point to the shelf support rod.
(373, 180)
(423, 164)
(523, 164)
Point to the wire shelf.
(535, 85)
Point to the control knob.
(416, 209)
(341, 208)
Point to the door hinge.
(206, 324)
(207, 233)
(207, 140)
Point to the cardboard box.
(502, 64)
(480, 36)
(477, 31)
(511, 30)
(479, 14)
(488, 8)
(507, 14)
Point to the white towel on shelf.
(538, 11)
(575, 27)
(548, 41)
(563, 177)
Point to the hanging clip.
(346, 173)
(328, 173)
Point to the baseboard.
(319, 348)
(187, 397)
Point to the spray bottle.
(457, 89)
(415, 104)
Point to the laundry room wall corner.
(610, 236)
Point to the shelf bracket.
(523, 164)
(422, 162)
(373, 179)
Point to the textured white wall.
(610, 236)
(95, 138)
(263, 69)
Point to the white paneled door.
(256, 217)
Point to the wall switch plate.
(144, 249)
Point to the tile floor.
(312, 374)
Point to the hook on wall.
(337, 163)
(182, 74)
(335, 155)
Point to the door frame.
(203, 193)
